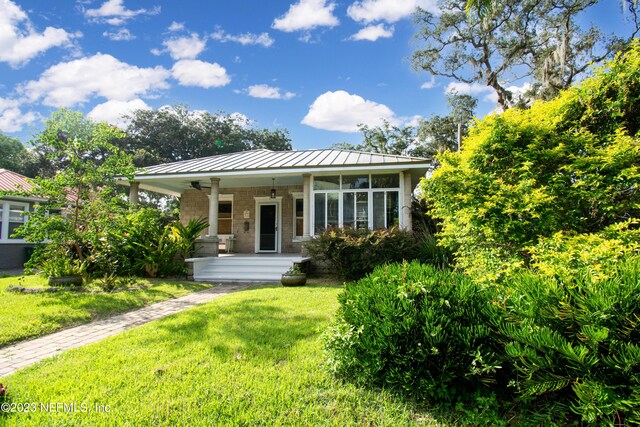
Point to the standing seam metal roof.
(11, 181)
(266, 159)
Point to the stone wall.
(195, 204)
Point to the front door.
(268, 232)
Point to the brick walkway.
(27, 353)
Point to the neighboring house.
(14, 212)
(266, 202)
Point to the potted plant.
(294, 277)
(64, 272)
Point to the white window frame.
(227, 198)
(298, 195)
(370, 191)
(6, 206)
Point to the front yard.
(24, 316)
(250, 358)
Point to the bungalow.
(267, 202)
(14, 252)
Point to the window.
(326, 183)
(355, 181)
(225, 217)
(385, 209)
(298, 217)
(360, 201)
(12, 216)
(327, 209)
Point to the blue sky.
(314, 67)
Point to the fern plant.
(577, 341)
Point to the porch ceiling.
(176, 185)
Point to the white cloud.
(20, 42)
(413, 121)
(12, 119)
(244, 39)
(113, 111)
(70, 83)
(176, 26)
(475, 89)
(113, 12)
(342, 111)
(122, 34)
(430, 84)
(192, 72)
(373, 33)
(368, 11)
(307, 15)
(182, 47)
(268, 92)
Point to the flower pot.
(293, 279)
(66, 281)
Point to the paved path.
(27, 353)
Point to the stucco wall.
(195, 204)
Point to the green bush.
(420, 330)
(354, 253)
(576, 344)
(568, 165)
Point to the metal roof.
(11, 181)
(277, 160)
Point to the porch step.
(239, 268)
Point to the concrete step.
(239, 268)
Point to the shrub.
(576, 343)
(420, 330)
(565, 255)
(568, 165)
(354, 253)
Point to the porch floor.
(263, 268)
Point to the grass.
(30, 315)
(249, 358)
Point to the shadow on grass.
(254, 326)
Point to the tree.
(512, 40)
(83, 189)
(440, 133)
(387, 138)
(172, 134)
(14, 156)
(570, 165)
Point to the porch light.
(273, 188)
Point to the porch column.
(306, 206)
(406, 201)
(134, 188)
(213, 207)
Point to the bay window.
(363, 201)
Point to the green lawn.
(25, 316)
(249, 358)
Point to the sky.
(317, 68)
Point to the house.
(14, 252)
(270, 202)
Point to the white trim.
(401, 202)
(296, 195)
(226, 198)
(390, 168)
(278, 204)
(6, 207)
(369, 191)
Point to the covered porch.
(270, 203)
